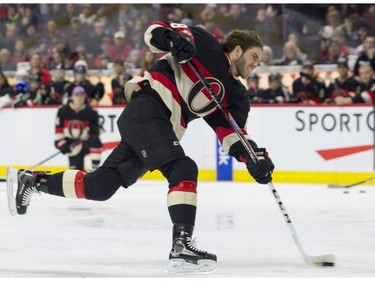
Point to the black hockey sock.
(67, 184)
(182, 203)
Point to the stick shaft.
(253, 156)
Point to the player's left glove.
(262, 170)
(182, 46)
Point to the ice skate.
(185, 257)
(29, 183)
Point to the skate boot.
(185, 257)
(29, 183)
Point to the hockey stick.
(48, 158)
(324, 260)
(351, 185)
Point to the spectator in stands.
(127, 14)
(32, 37)
(83, 54)
(20, 54)
(253, 87)
(104, 61)
(94, 92)
(367, 88)
(267, 58)
(58, 86)
(367, 56)
(333, 19)
(369, 17)
(133, 62)
(291, 55)
(354, 30)
(118, 82)
(308, 89)
(136, 38)
(265, 25)
(332, 54)
(87, 15)
(39, 92)
(343, 84)
(236, 18)
(105, 46)
(76, 33)
(56, 13)
(148, 60)
(11, 35)
(36, 67)
(96, 36)
(178, 15)
(216, 31)
(276, 93)
(309, 43)
(6, 62)
(54, 34)
(120, 50)
(14, 16)
(6, 91)
(71, 11)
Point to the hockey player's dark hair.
(245, 38)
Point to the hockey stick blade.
(321, 261)
(351, 185)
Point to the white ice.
(130, 234)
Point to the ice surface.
(130, 234)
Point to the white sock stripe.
(68, 183)
(181, 197)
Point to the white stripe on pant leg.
(68, 185)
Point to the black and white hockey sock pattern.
(182, 202)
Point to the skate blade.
(180, 266)
(12, 178)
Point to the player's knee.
(182, 169)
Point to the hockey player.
(344, 84)
(77, 125)
(161, 104)
(366, 93)
(308, 89)
(276, 93)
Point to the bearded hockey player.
(161, 104)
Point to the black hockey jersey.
(75, 126)
(183, 93)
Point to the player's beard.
(241, 67)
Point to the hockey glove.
(182, 46)
(64, 146)
(261, 171)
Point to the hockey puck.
(328, 264)
(362, 191)
(346, 191)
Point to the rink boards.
(311, 144)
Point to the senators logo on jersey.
(200, 101)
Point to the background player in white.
(161, 104)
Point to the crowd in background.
(52, 38)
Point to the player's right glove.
(181, 45)
(64, 146)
